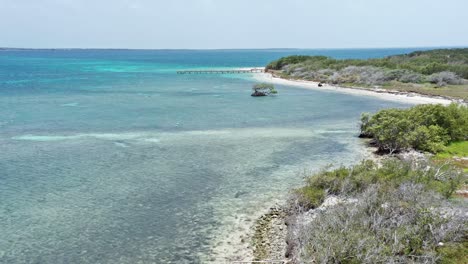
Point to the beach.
(412, 98)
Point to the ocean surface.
(109, 156)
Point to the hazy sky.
(202, 24)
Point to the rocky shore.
(275, 234)
(269, 238)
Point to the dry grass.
(450, 91)
(400, 213)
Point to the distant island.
(440, 72)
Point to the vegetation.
(424, 70)
(422, 62)
(459, 149)
(424, 127)
(443, 179)
(455, 153)
(294, 59)
(454, 253)
(393, 211)
(263, 89)
(397, 212)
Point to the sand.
(412, 98)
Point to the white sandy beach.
(379, 93)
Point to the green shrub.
(310, 197)
(423, 127)
(278, 64)
(349, 181)
(432, 138)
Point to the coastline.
(180, 158)
(389, 95)
(266, 236)
(259, 233)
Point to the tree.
(263, 89)
(423, 127)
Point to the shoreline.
(266, 234)
(261, 234)
(390, 95)
(248, 236)
(267, 237)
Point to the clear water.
(108, 156)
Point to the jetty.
(254, 70)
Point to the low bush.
(399, 214)
(279, 64)
(444, 78)
(442, 67)
(412, 77)
(400, 225)
(344, 181)
(368, 75)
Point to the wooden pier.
(256, 70)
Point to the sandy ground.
(378, 93)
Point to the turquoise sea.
(109, 156)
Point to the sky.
(219, 24)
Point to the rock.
(238, 194)
(413, 156)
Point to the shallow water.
(111, 157)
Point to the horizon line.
(207, 49)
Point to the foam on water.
(104, 136)
(70, 104)
(271, 132)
